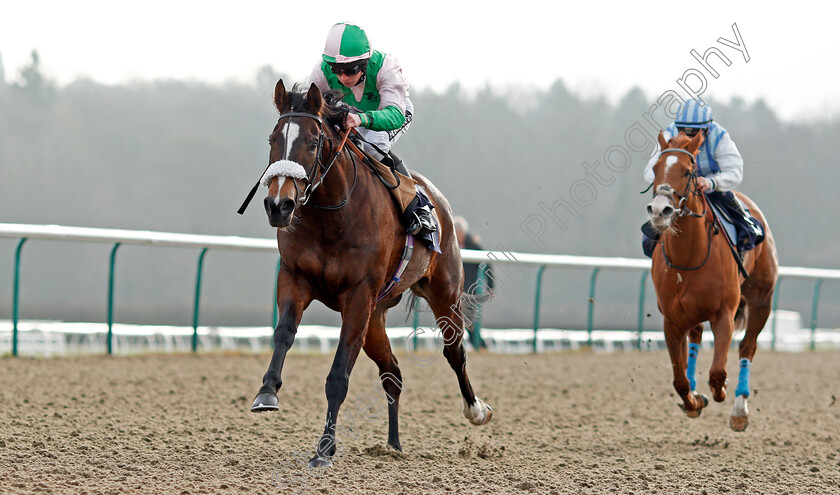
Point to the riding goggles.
(348, 69)
(690, 131)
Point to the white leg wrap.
(739, 409)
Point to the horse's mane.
(334, 111)
(679, 141)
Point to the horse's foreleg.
(291, 309)
(355, 314)
(693, 402)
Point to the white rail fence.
(34, 337)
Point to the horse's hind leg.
(723, 325)
(378, 348)
(355, 314)
(759, 306)
(695, 336)
(447, 305)
(675, 338)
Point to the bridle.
(681, 209)
(310, 184)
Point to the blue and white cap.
(695, 114)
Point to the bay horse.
(696, 279)
(341, 242)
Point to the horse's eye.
(686, 173)
(313, 146)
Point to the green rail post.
(641, 309)
(591, 314)
(416, 324)
(481, 283)
(197, 298)
(537, 304)
(113, 260)
(773, 312)
(274, 315)
(817, 285)
(15, 297)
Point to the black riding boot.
(648, 230)
(417, 218)
(733, 203)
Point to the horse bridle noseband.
(318, 164)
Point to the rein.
(365, 158)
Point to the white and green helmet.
(346, 43)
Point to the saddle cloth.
(741, 233)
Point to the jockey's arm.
(384, 119)
(731, 166)
(393, 91)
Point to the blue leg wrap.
(743, 379)
(691, 368)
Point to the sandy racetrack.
(575, 422)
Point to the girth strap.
(406, 257)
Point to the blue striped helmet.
(694, 114)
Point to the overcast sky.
(595, 47)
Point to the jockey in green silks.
(377, 93)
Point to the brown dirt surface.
(566, 423)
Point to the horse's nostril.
(286, 206)
(650, 209)
(668, 210)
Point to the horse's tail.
(471, 307)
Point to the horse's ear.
(314, 101)
(695, 142)
(281, 98)
(662, 143)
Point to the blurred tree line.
(180, 156)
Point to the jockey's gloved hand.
(340, 115)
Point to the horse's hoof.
(265, 402)
(739, 418)
(693, 413)
(320, 462)
(739, 423)
(479, 414)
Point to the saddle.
(742, 232)
(403, 189)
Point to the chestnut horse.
(696, 279)
(341, 242)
